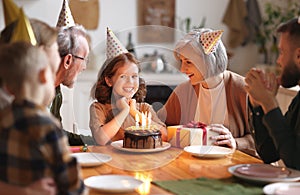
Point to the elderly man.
(74, 50)
(277, 136)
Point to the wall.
(110, 10)
(121, 16)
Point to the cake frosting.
(142, 137)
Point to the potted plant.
(274, 15)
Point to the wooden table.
(185, 166)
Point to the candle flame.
(144, 119)
(137, 118)
(149, 118)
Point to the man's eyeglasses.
(81, 58)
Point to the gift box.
(187, 135)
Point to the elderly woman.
(212, 95)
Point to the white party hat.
(65, 17)
(113, 45)
(23, 31)
(209, 40)
(11, 11)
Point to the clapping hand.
(262, 89)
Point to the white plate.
(288, 188)
(90, 159)
(293, 175)
(119, 145)
(113, 183)
(208, 151)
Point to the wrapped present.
(193, 133)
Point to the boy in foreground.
(33, 145)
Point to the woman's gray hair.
(216, 61)
(67, 39)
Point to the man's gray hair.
(67, 39)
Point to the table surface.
(183, 166)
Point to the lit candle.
(149, 119)
(143, 120)
(137, 119)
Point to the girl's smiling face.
(125, 81)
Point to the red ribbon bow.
(194, 124)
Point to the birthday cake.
(142, 137)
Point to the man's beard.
(290, 75)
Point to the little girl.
(117, 91)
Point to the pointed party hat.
(23, 31)
(113, 45)
(11, 11)
(209, 40)
(65, 17)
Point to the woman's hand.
(224, 138)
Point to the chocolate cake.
(142, 138)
